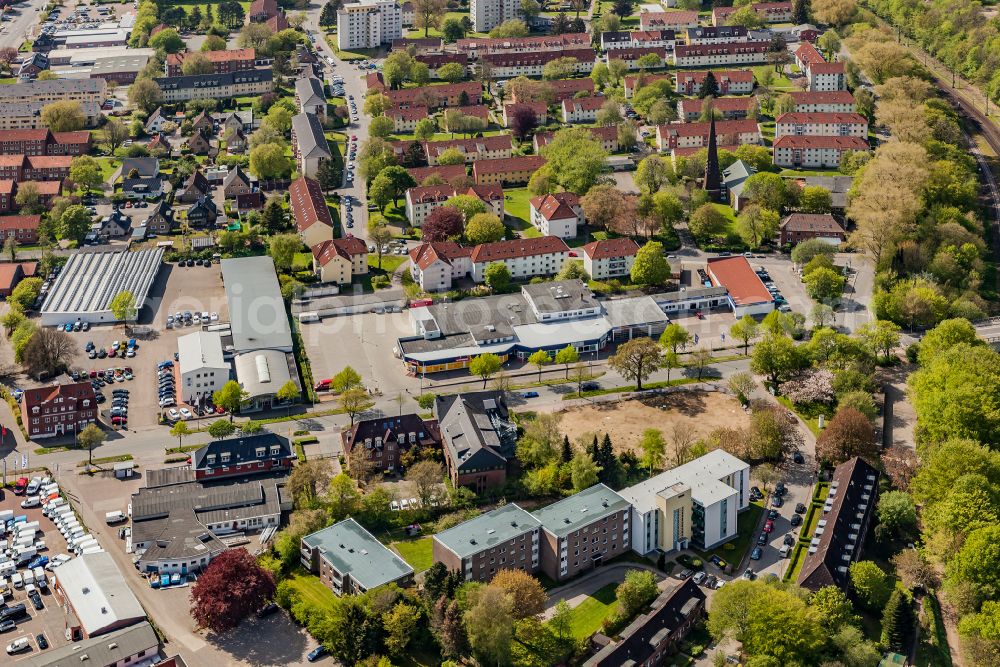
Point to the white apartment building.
(611, 258)
(821, 125)
(421, 200)
(711, 55)
(807, 152)
(435, 266)
(368, 25)
(202, 366)
(840, 101)
(524, 258)
(695, 504)
(826, 77)
(582, 110)
(557, 214)
(488, 14)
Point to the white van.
(85, 544)
(49, 508)
(5, 515)
(77, 539)
(115, 517)
(96, 549)
(7, 568)
(16, 580)
(31, 526)
(28, 577)
(40, 578)
(785, 550)
(24, 542)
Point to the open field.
(700, 411)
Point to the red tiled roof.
(514, 248)
(6, 187)
(427, 194)
(447, 172)
(557, 206)
(346, 247)
(533, 58)
(409, 113)
(508, 164)
(822, 117)
(807, 53)
(24, 135)
(812, 222)
(731, 75)
(840, 143)
(744, 126)
(826, 68)
(68, 138)
(308, 204)
(220, 56)
(70, 392)
(488, 193)
(473, 89)
(490, 143)
(46, 188)
(50, 161)
(9, 222)
(668, 18)
(11, 160)
(8, 272)
(474, 110)
(620, 247)
(636, 52)
(426, 254)
(583, 104)
(735, 274)
(651, 35)
(682, 50)
(831, 97)
(542, 41)
(540, 108)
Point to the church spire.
(713, 179)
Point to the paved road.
(21, 18)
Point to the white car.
(167, 402)
(205, 316)
(18, 645)
(214, 317)
(699, 577)
(186, 414)
(173, 415)
(30, 501)
(394, 505)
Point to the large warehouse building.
(90, 281)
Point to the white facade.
(369, 25)
(440, 275)
(202, 366)
(826, 77)
(563, 219)
(605, 268)
(544, 264)
(488, 14)
(814, 152)
(824, 125)
(583, 110)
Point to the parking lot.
(48, 621)
(785, 283)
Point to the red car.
(323, 385)
(700, 315)
(769, 526)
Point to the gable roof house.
(255, 454)
(558, 214)
(733, 178)
(309, 142)
(312, 215)
(236, 141)
(339, 260)
(202, 213)
(155, 121)
(198, 143)
(161, 219)
(478, 436)
(145, 167)
(310, 97)
(798, 227)
(609, 258)
(434, 266)
(194, 188)
(377, 444)
(235, 183)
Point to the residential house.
(435, 61)
(144, 167)
(22, 228)
(478, 148)
(377, 444)
(507, 65)
(524, 258)
(609, 258)
(716, 34)
(417, 44)
(633, 82)
(44, 142)
(198, 143)
(312, 216)
(491, 195)
(606, 136)
(807, 54)
(116, 225)
(837, 186)
(309, 143)
(435, 266)
(769, 12)
(480, 111)
(507, 171)
(32, 65)
(142, 188)
(405, 119)
(339, 260)
(506, 538)
(252, 201)
(235, 183)
(368, 25)
(798, 227)
(559, 214)
(732, 108)
(582, 109)
(475, 46)
(58, 409)
(613, 41)
(310, 96)
(450, 173)
(161, 219)
(797, 152)
(8, 188)
(349, 560)
(632, 55)
(826, 77)
(156, 120)
(730, 82)
(202, 213)
(203, 122)
(262, 10)
(35, 167)
(695, 135)
(223, 61)
(236, 142)
(11, 273)
(194, 188)
(246, 83)
(459, 94)
(159, 145)
(821, 125)
(565, 88)
(421, 200)
(260, 453)
(840, 101)
(479, 438)
(712, 55)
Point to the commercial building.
(809, 152)
(309, 144)
(58, 409)
(747, 294)
(488, 14)
(656, 634)
(479, 438)
(223, 61)
(798, 227)
(349, 560)
(340, 260)
(312, 216)
(203, 368)
(730, 82)
(821, 124)
(583, 532)
(506, 538)
(693, 505)
(731, 108)
(840, 532)
(368, 25)
(377, 444)
(97, 600)
(245, 83)
(818, 102)
(609, 258)
(506, 171)
(559, 214)
(711, 55)
(91, 280)
(132, 645)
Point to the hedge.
(793, 564)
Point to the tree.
(268, 161)
(653, 447)
(635, 592)
(89, 438)
(25, 294)
(328, 17)
(745, 330)
(452, 30)
(650, 266)
(282, 249)
(766, 190)
(231, 587)
(287, 393)
(64, 116)
(343, 497)
(8, 55)
(954, 394)
(427, 14)
(451, 634)
(114, 134)
(485, 366)
(123, 307)
(896, 512)
(561, 621)
(167, 41)
(675, 337)
(652, 174)
(484, 228)
(583, 471)
(913, 570)
(881, 337)
(945, 336)
(230, 398)
(523, 121)
(197, 63)
(451, 72)
(443, 223)
(806, 251)
(400, 625)
(354, 402)
(775, 357)
(709, 86)
(346, 379)
(381, 126)
(511, 28)
(898, 621)
(602, 204)
(756, 225)
(525, 592)
(497, 276)
(307, 480)
(47, 351)
(824, 284)
(707, 221)
(539, 359)
(426, 476)
(848, 434)
(425, 129)
(74, 223)
(221, 428)
(567, 356)
(575, 159)
(467, 205)
(834, 608)
(489, 623)
(636, 360)
(213, 43)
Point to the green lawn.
(189, 5)
(389, 262)
(586, 618)
(746, 535)
(312, 589)
(302, 261)
(518, 210)
(434, 32)
(108, 166)
(779, 82)
(416, 552)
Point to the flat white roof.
(202, 349)
(701, 475)
(97, 592)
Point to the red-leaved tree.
(849, 434)
(232, 587)
(523, 120)
(442, 223)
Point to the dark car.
(316, 654)
(772, 514)
(776, 501)
(780, 489)
(796, 519)
(14, 611)
(7, 626)
(43, 643)
(756, 553)
(800, 509)
(789, 539)
(267, 610)
(36, 600)
(762, 539)
(755, 493)
(798, 458)
(590, 386)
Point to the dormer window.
(275, 449)
(225, 457)
(210, 459)
(260, 452)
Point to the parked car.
(43, 643)
(699, 577)
(788, 540)
(19, 645)
(800, 508)
(762, 539)
(796, 520)
(798, 458)
(316, 653)
(529, 394)
(756, 553)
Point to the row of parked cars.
(779, 300)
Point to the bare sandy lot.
(702, 411)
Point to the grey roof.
(115, 64)
(386, 296)
(487, 530)
(352, 550)
(89, 281)
(309, 136)
(241, 450)
(256, 309)
(264, 372)
(12, 109)
(559, 296)
(202, 81)
(201, 349)
(688, 293)
(702, 476)
(737, 172)
(97, 592)
(475, 428)
(110, 649)
(147, 167)
(154, 184)
(581, 509)
(836, 185)
(19, 91)
(634, 311)
(309, 91)
(234, 174)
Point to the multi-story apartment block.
(245, 83)
(8, 187)
(508, 538)
(506, 171)
(695, 135)
(633, 82)
(43, 142)
(610, 258)
(476, 46)
(798, 227)
(711, 55)
(223, 61)
(731, 82)
(312, 216)
(524, 258)
(607, 136)
(583, 109)
(630, 56)
(378, 444)
(796, 152)
(488, 14)
(448, 95)
(56, 90)
(28, 115)
(35, 167)
(826, 77)
(21, 228)
(435, 266)
(260, 453)
(676, 21)
(423, 199)
(693, 505)
(435, 61)
(511, 109)
(368, 25)
(582, 532)
(821, 124)
(840, 101)
(731, 108)
(612, 41)
(349, 560)
(405, 119)
(716, 35)
(508, 65)
(449, 173)
(558, 214)
(563, 89)
(807, 55)
(309, 144)
(58, 409)
(769, 12)
(479, 148)
(339, 260)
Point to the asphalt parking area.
(789, 284)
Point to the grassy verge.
(311, 589)
(619, 390)
(182, 450)
(809, 415)
(106, 459)
(795, 564)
